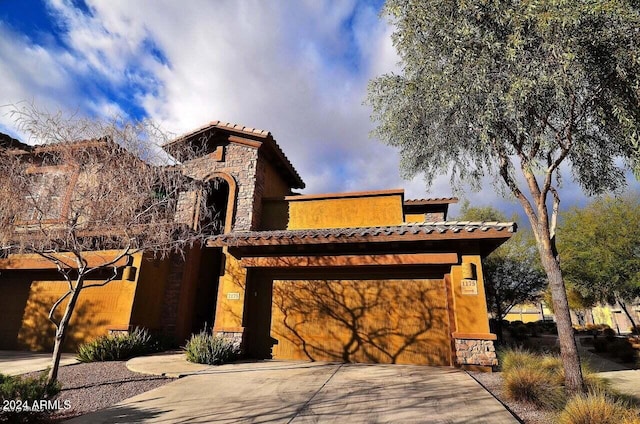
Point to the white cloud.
(297, 68)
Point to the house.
(355, 277)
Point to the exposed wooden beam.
(350, 260)
(36, 262)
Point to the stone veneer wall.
(236, 337)
(258, 194)
(476, 352)
(433, 217)
(241, 163)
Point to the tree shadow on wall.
(37, 333)
(375, 321)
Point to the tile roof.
(431, 200)
(225, 126)
(408, 232)
(237, 128)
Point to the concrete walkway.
(20, 362)
(304, 392)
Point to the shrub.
(117, 347)
(517, 358)
(539, 379)
(24, 391)
(622, 348)
(518, 331)
(600, 345)
(533, 329)
(205, 348)
(596, 408)
(609, 334)
(534, 385)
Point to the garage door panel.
(380, 321)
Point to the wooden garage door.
(375, 321)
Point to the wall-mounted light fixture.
(129, 273)
(468, 271)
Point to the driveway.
(302, 392)
(20, 362)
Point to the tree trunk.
(568, 347)
(623, 306)
(61, 332)
(499, 318)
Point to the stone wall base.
(471, 352)
(235, 336)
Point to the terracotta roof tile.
(423, 230)
(266, 135)
(431, 200)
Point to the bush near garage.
(206, 348)
(119, 346)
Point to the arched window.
(216, 195)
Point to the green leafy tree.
(515, 91)
(512, 273)
(578, 301)
(601, 250)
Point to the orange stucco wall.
(25, 323)
(401, 321)
(470, 309)
(231, 293)
(274, 184)
(151, 281)
(339, 211)
(414, 217)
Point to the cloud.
(296, 68)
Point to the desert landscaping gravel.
(529, 414)
(97, 385)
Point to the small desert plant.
(534, 385)
(539, 379)
(21, 394)
(517, 358)
(597, 407)
(120, 346)
(205, 348)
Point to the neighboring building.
(355, 277)
(603, 314)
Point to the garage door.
(375, 321)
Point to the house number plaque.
(233, 296)
(469, 287)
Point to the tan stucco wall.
(362, 210)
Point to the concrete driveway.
(302, 392)
(19, 362)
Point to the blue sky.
(298, 68)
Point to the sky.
(297, 68)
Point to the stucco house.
(356, 277)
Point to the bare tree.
(87, 196)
